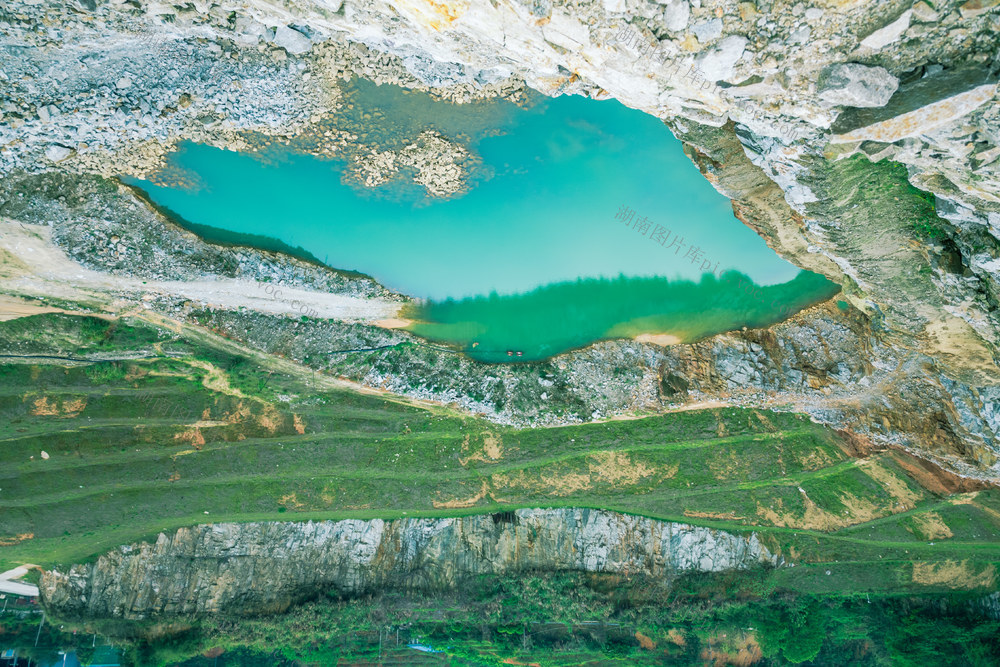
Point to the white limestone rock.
(924, 13)
(48, 112)
(676, 14)
(248, 30)
(291, 40)
(800, 36)
(708, 30)
(923, 120)
(58, 152)
(258, 567)
(856, 85)
(889, 34)
(566, 31)
(717, 63)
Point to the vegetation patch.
(564, 619)
(955, 574)
(174, 424)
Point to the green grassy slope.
(176, 427)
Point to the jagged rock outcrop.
(104, 225)
(988, 606)
(265, 567)
(854, 85)
(925, 358)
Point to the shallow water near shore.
(581, 220)
(565, 316)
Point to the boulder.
(57, 153)
(676, 14)
(974, 8)
(48, 112)
(800, 36)
(708, 30)
(919, 107)
(856, 85)
(291, 40)
(924, 13)
(717, 63)
(248, 30)
(889, 34)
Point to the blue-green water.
(542, 207)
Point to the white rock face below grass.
(265, 567)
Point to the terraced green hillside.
(117, 429)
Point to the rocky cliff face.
(265, 567)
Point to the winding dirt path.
(16, 587)
(31, 265)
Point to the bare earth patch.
(44, 407)
(12, 308)
(554, 484)
(491, 450)
(896, 487)
(954, 574)
(741, 650)
(663, 340)
(858, 510)
(183, 453)
(609, 467)
(40, 268)
(215, 380)
(725, 467)
(954, 338)
(931, 526)
(291, 501)
(618, 467)
(16, 539)
(458, 503)
(816, 459)
(393, 323)
(192, 436)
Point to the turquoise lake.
(543, 207)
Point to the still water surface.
(542, 250)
